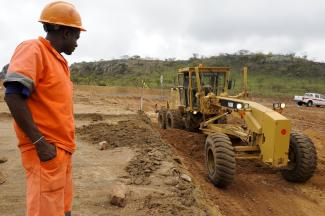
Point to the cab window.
(183, 83)
(209, 82)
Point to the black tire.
(300, 103)
(317, 105)
(220, 159)
(162, 118)
(192, 122)
(174, 119)
(302, 158)
(310, 103)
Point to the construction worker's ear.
(66, 33)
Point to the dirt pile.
(124, 133)
(143, 165)
(152, 167)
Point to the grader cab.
(200, 102)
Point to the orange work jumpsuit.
(40, 68)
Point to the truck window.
(316, 96)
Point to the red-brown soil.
(150, 160)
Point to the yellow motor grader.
(200, 102)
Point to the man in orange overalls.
(39, 96)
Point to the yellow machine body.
(267, 132)
(236, 127)
(267, 129)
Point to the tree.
(195, 55)
(243, 52)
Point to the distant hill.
(268, 74)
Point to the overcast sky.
(176, 28)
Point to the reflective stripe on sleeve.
(17, 77)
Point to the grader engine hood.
(271, 131)
(274, 133)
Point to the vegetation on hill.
(269, 74)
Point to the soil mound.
(153, 167)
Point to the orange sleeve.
(25, 65)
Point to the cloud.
(167, 28)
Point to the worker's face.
(71, 37)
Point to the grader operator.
(200, 102)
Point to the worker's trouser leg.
(49, 184)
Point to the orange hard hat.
(61, 13)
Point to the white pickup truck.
(310, 99)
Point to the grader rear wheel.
(302, 158)
(162, 118)
(220, 159)
(174, 119)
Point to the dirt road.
(150, 162)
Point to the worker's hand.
(45, 150)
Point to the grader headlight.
(282, 105)
(278, 107)
(246, 106)
(242, 106)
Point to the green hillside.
(268, 74)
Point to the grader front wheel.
(220, 159)
(302, 158)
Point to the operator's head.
(62, 23)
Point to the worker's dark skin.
(63, 40)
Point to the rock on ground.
(102, 145)
(118, 195)
(3, 159)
